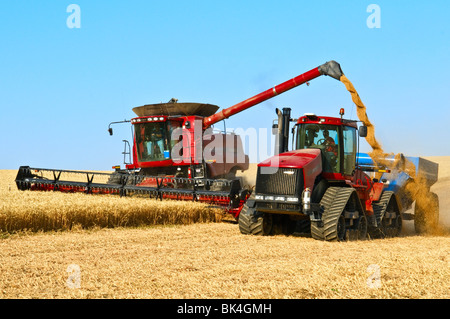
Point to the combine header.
(227, 193)
(176, 154)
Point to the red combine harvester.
(176, 154)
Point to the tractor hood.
(310, 160)
(293, 159)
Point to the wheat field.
(204, 258)
(54, 211)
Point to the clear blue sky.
(61, 87)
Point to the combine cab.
(169, 140)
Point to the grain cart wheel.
(254, 222)
(426, 213)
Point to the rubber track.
(250, 222)
(245, 221)
(325, 203)
(333, 202)
(379, 208)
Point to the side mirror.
(110, 130)
(363, 131)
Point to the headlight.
(292, 199)
(269, 197)
(306, 199)
(280, 198)
(259, 197)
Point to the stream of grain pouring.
(417, 189)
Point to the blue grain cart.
(426, 208)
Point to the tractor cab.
(335, 137)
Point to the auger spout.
(330, 68)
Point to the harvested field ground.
(216, 261)
(213, 260)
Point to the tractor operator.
(329, 142)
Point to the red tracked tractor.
(172, 154)
(324, 187)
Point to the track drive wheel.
(362, 228)
(339, 234)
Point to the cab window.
(349, 135)
(324, 137)
(152, 143)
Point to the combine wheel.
(254, 222)
(231, 174)
(219, 185)
(118, 178)
(115, 178)
(426, 213)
